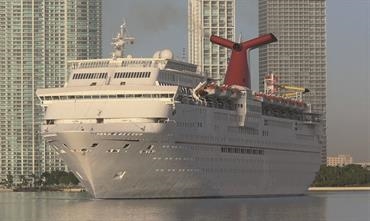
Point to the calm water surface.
(49, 206)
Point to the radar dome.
(157, 54)
(166, 54)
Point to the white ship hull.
(162, 162)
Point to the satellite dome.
(166, 54)
(157, 54)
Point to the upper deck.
(133, 71)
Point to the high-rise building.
(299, 56)
(207, 17)
(37, 39)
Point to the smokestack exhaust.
(238, 71)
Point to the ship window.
(120, 95)
(123, 83)
(113, 96)
(79, 97)
(255, 151)
(99, 120)
(113, 150)
(95, 97)
(55, 97)
(138, 95)
(49, 122)
(93, 84)
(129, 95)
(104, 96)
(94, 145)
(87, 96)
(126, 146)
(146, 95)
(71, 97)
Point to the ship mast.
(120, 41)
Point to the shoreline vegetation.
(54, 181)
(348, 178)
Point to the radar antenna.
(120, 41)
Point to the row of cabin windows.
(239, 150)
(132, 75)
(94, 64)
(111, 96)
(90, 76)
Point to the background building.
(340, 160)
(299, 56)
(37, 39)
(206, 17)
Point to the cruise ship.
(158, 128)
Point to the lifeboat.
(210, 90)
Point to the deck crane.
(287, 91)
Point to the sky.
(160, 24)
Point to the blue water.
(54, 206)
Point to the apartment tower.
(207, 17)
(299, 56)
(37, 38)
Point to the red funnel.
(238, 71)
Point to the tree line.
(350, 175)
(53, 178)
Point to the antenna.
(240, 37)
(183, 54)
(120, 41)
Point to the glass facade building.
(206, 17)
(299, 56)
(37, 38)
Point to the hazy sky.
(159, 24)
